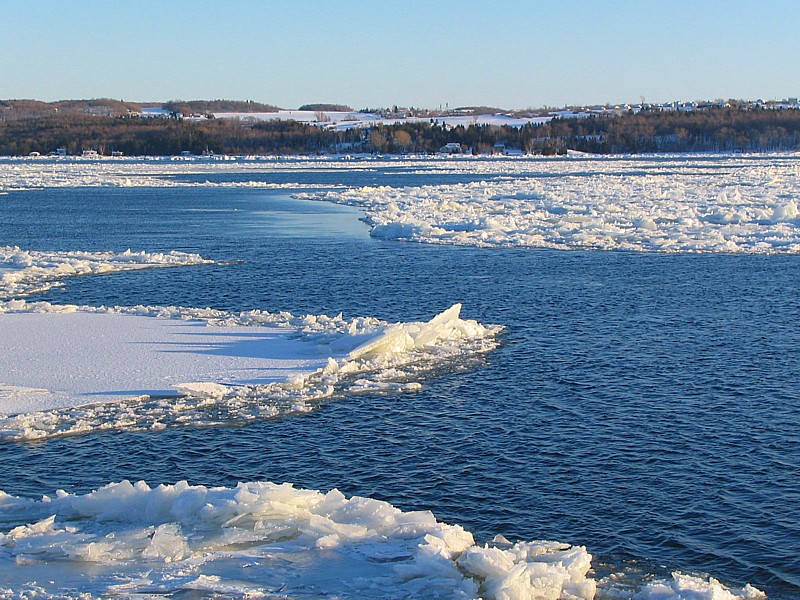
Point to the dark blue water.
(646, 406)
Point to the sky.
(511, 54)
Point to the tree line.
(718, 129)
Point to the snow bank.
(149, 368)
(267, 540)
(25, 272)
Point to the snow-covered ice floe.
(25, 272)
(264, 540)
(154, 367)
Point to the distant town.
(114, 128)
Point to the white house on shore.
(451, 148)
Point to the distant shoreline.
(81, 128)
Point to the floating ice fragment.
(683, 586)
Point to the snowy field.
(341, 121)
(726, 204)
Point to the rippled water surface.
(646, 406)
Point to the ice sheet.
(153, 172)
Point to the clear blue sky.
(511, 54)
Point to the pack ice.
(662, 203)
(264, 540)
(670, 204)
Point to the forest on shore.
(117, 127)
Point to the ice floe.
(266, 540)
(25, 272)
(100, 368)
(69, 359)
(697, 588)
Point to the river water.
(643, 405)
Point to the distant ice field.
(724, 204)
(640, 407)
(747, 206)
